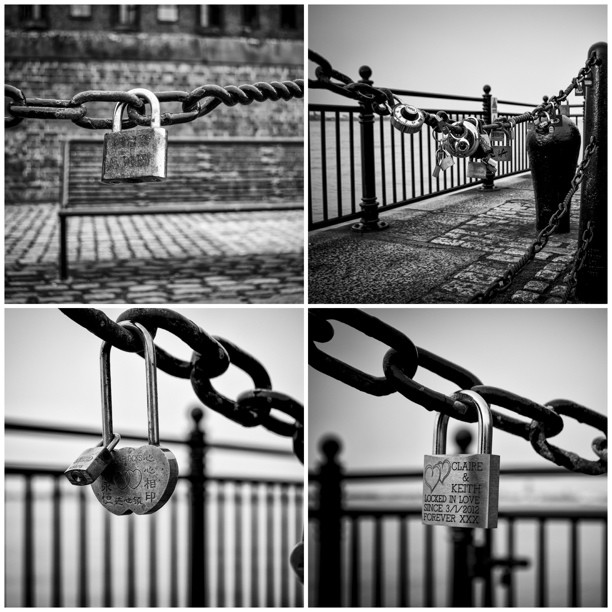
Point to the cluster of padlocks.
(464, 138)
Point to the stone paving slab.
(195, 258)
(443, 250)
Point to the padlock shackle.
(485, 426)
(150, 97)
(151, 383)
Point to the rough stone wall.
(60, 64)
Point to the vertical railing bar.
(270, 545)
(220, 544)
(174, 577)
(238, 574)
(310, 201)
(83, 565)
(573, 577)
(429, 170)
(393, 163)
(604, 566)
(107, 562)
(131, 562)
(428, 573)
(300, 532)
(378, 562)
(28, 544)
(254, 545)
(403, 561)
(542, 565)
(323, 166)
(403, 149)
(510, 552)
(338, 163)
(412, 177)
(56, 546)
(152, 562)
(284, 545)
(421, 183)
(352, 159)
(354, 555)
(383, 173)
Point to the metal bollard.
(591, 278)
(552, 157)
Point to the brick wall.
(59, 64)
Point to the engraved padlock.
(407, 119)
(466, 144)
(462, 490)
(138, 480)
(139, 155)
(91, 463)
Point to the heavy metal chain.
(402, 361)
(211, 357)
(579, 259)
(380, 98)
(501, 283)
(195, 104)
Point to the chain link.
(195, 104)
(501, 283)
(579, 259)
(212, 357)
(400, 365)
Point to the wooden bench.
(204, 175)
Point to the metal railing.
(366, 552)
(403, 162)
(220, 540)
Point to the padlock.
(139, 155)
(407, 119)
(138, 480)
(462, 490)
(91, 463)
(466, 144)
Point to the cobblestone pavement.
(444, 250)
(184, 258)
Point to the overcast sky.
(539, 353)
(524, 51)
(52, 376)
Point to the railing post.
(462, 561)
(591, 278)
(369, 203)
(487, 183)
(197, 481)
(330, 525)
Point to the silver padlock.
(91, 463)
(462, 490)
(407, 119)
(466, 144)
(139, 155)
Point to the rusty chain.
(379, 97)
(401, 363)
(502, 282)
(195, 104)
(212, 356)
(579, 259)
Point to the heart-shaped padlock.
(138, 480)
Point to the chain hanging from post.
(195, 104)
(504, 281)
(212, 356)
(401, 363)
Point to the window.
(80, 11)
(167, 13)
(288, 17)
(126, 16)
(250, 17)
(211, 16)
(33, 16)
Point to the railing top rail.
(24, 426)
(26, 470)
(427, 94)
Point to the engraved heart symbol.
(431, 475)
(444, 474)
(138, 480)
